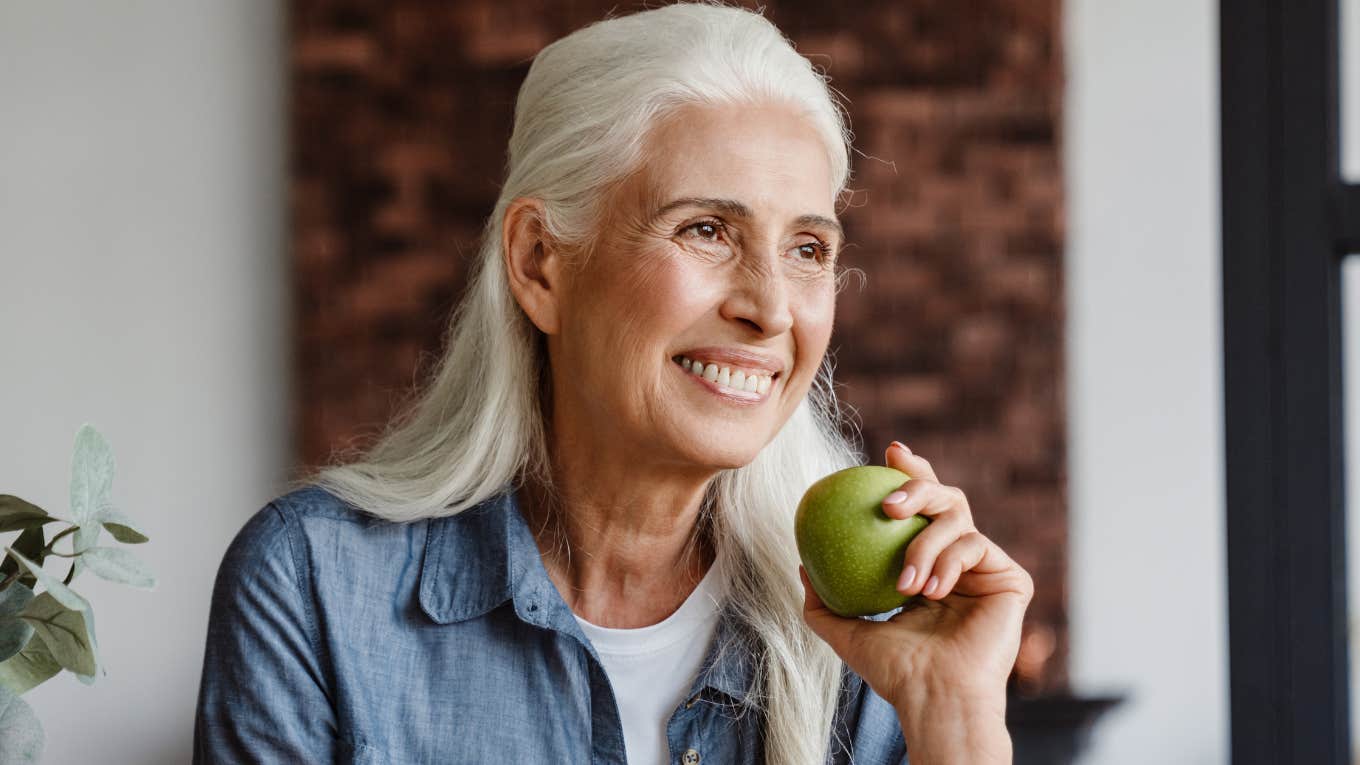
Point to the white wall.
(142, 273)
(1148, 564)
(1350, 310)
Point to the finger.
(995, 573)
(926, 497)
(965, 553)
(900, 457)
(922, 551)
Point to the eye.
(817, 251)
(707, 230)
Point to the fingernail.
(931, 584)
(908, 576)
(895, 497)
(901, 446)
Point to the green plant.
(45, 626)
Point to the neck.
(626, 547)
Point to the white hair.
(478, 424)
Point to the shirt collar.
(485, 556)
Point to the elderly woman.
(577, 545)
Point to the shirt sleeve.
(875, 731)
(263, 696)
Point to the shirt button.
(691, 757)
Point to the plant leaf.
(65, 595)
(29, 543)
(14, 635)
(29, 668)
(91, 489)
(13, 599)
(118, 565)
(16, 514)
(94, 646)
(121, 527)
(14, 632)
(91, 474)
(21, 735)
(64, 631)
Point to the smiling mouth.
(736, 384)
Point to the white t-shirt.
(652, 668)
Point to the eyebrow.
(735, 209)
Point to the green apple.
(852, 552)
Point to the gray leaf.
(29, 668)
(14, 632)
(14, 598)
(85, 537)
(91, 475)
(21, 735)
(52, 584)
(64, 631)
(14, 635)
(117, 565)
(121, 527)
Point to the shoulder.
(314, 506)
(283, 538)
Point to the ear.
(532, 263)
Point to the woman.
(577, 545)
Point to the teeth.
(735, 379)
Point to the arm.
(264, 695)
(939, 725)
(945, 726)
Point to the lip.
(747, 360)
(731, 396)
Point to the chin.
(729, 459)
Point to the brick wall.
(400, 115)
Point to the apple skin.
(852, 552)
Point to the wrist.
(945, 724)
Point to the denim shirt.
(336, 636)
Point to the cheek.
(641, 306)
(666, 293)
(814, 318)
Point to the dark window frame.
(1288, 220)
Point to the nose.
(760, 298)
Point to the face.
(719, 251)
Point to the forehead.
(769, 157)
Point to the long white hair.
(478, 423)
